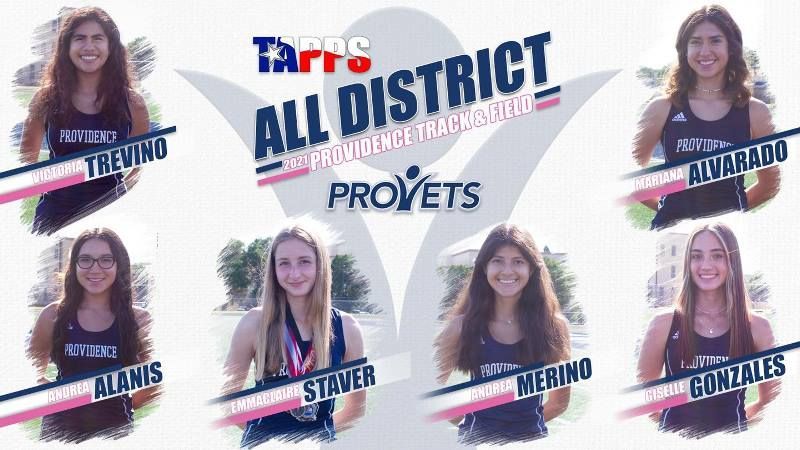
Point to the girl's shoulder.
(761, 329)
(142, 316)
(136, 102)
(453, 326)
(50, 312)
(656, 111)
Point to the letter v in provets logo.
(679, 117)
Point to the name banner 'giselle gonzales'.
(704, 382)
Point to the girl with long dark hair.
(85, 100)
(706, 107)
(710, 323)
(506, 317)
(92, 327)
(295, 331)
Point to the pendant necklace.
(709, 313)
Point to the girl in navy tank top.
(85, 101)
(710, 324)
(507, 316)
(706, 108)
(94, 326)
(295, 331)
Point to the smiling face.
(88, 47)
(707, 54)
(709, 262)
(96, 268)
(295, 267)
(508, 272)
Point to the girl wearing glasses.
(92, 327)
(85, 100)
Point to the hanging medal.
(298, 364)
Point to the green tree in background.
(456, 276)
(757, 288)
(564, 284)
(656, 77)
(142, 54)
(254, 265)
(231, 268)
(142, 284)
(241, 268)
(652, 78)
(350, 289)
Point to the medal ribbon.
(297, 363)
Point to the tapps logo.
(279, 54)
(397, 195)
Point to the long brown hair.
(544, 335)
(736, 298)
(54, 100)
(681, 77)
(121, 298)
(270, 351)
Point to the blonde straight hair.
(270, 350)
(737, 299)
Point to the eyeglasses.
(105, 262)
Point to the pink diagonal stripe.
(45, 410)
(472, 407)
(257, 413)
(39, 188)
(284, 176)
(548, 103)
(676, 400)
(670, 188)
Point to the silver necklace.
(708, 91)
(505, 321)
(709, 313)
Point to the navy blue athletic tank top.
(686, 136)
(723, 412)
(284, 425)
(88, 351)
(516, 421)
(80, 132)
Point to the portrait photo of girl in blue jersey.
(507, 316)
(85, 99)
(707, 105)
(711, 321)
(295, 331)
(96, 313)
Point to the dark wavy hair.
(53, 102)
(121, 298)
(737, 300)
(681, 77)
(544, 335)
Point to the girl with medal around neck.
(710, 323)
(507, 316)
(296, 331)
(93, 326)
(85, 100)
(706, 106)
